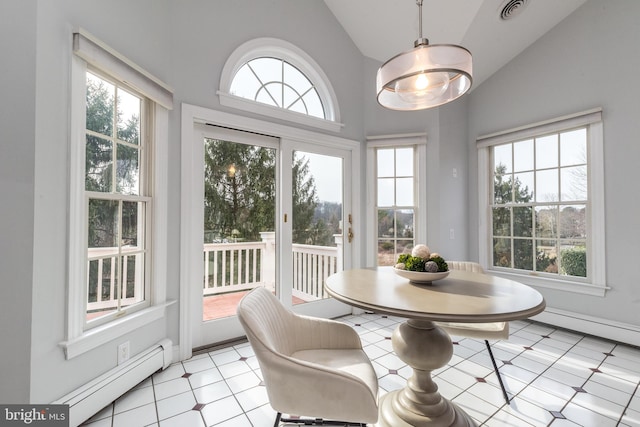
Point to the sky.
(327, 173)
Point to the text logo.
(34, 415)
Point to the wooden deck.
(224, 305)
(213, 307)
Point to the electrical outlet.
(123, 352)
(452, 234)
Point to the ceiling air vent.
(512, 8)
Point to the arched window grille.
(275, 78)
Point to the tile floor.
(556, 378)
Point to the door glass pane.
(239, 223)
(317, 223)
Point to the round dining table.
(461, 297)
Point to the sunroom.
(160, 159)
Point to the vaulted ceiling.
(383, 28)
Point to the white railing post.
(339, 240)
(268, 260)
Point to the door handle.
(350, 235)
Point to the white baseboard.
(608, 329)
(95, 395)
(175, 351)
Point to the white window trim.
(420, 176)
(78, 340)
(281, 49)
(592, 119)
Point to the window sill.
(278, 113)
(100, 335)
(555, 284)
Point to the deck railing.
(231, 267)
(228, 267)
(311, 266)
(102, 273)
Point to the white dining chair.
(485, 331)
(310, 366)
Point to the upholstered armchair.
(311, 367)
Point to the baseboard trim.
(603, 328)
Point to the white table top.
(461, 297)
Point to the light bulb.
(422, 87)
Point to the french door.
(273, 214)
(316, 225)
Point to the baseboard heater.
(87, 400)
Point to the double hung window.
(395, 202)
(117, 214)
(396, 213)
(544, 184)
(117, 194)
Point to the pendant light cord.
(421, 41)
(419, 3)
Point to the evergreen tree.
(99, 161)
(305, 201)
(240, 192)
(509, 190)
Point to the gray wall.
(589, 60)
(446, 149)
(52, 375)
(185, 44)
(17, 146)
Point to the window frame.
(595, 282)
(282, 50)
(419, 142)
(88, 52)
(144, 196)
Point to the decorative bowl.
(421, 277)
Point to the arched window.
(275, 78)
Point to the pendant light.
(425, 77)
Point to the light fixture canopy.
(425, 77)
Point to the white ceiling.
(382, 29)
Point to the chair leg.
(495, 366)
(315, 422)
